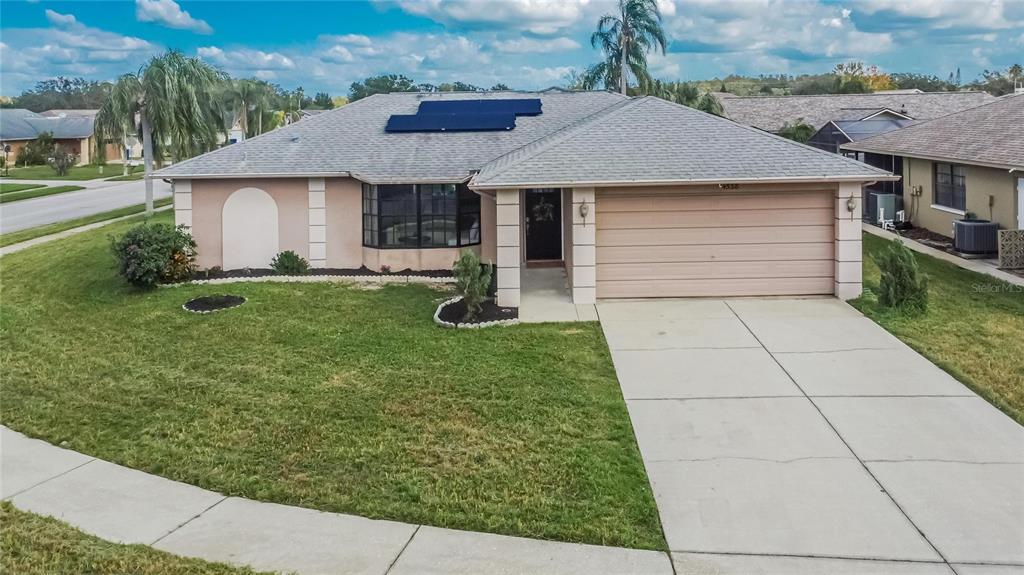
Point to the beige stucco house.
(967, 163)
(635, 197)
(72, 130)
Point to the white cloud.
(535, 45)
(985, 14)
(169, 13)
(58, 19)
(349, 39)
(245, 59)
(537, 16)
(337, 53)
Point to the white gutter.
(608, 183)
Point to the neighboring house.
(968, 162)
(73, 130)
(635, 197)
(771, 113)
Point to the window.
(420, 216)
(950, 186)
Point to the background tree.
(63, 93)
(625, 39)
(380, 85)
(323, 101)
(798, 131)
(174, 98)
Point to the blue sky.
(522, 43)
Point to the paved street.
(99, 196)
(796, 436)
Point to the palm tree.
(170, 101)
(625, 38)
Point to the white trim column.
(317, 223)
(182, 190)
(584, 251)
(507, 243)
(848, 249)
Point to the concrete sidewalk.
(797, 436)
(124, 505)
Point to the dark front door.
(543, 224)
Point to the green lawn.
(87, 172)
(39, 231)
(37, 192)
(974, 327)
(31, 544)
(10, 188)
(130, 177)
(326, 396)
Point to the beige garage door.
(714, 244)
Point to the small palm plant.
(472, 281)
(902, 286)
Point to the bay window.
(420, 216)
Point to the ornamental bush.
(149, 254)
(902, 286)
(62, 161)
(36, 152)
(472, 281)
(289, 263)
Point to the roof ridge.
(929, 122)
(942, 93)
(776, 136)
(538, 146)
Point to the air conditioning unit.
(975, 237)
(882, 207)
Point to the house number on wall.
(729, 186)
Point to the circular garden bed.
(212, 303)
(452, 313)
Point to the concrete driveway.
(797, 436)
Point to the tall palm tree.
(170, 100)
(626, 38)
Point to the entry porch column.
(508, 247)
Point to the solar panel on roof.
(517, 106)
(450, 122)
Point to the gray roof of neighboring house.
(649, 140)
(21, 124)
(351, 140)
(772, 112)
(13, 124)
(71, 127)
(70, 112)
(991, 134)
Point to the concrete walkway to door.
(797, 436)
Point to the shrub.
(289, 263)
(471, 282)
(149, 254)
(902, 286)
(62, 161)
(36, 152)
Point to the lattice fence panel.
(1011, 249)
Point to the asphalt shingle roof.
(21, 124)
(650, 140)
(991, 134)
(770, 113)
(13, 124)
(351, 140)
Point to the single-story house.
(635, 197)
(968, 162)
(73, 130)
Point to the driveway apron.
(801, 437)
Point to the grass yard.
(37, 192)
(11, 188)
(31, 544)
(87, 172)
(39, 231)
(974, 327)
(325, 396)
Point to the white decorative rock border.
(390, 279)
(244, 300)
(442, 323)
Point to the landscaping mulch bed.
(212, 303)
(363, 271)
(929, 238)
(456, 311)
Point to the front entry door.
(543, 224)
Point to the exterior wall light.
(851, 204)
(584, 210)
